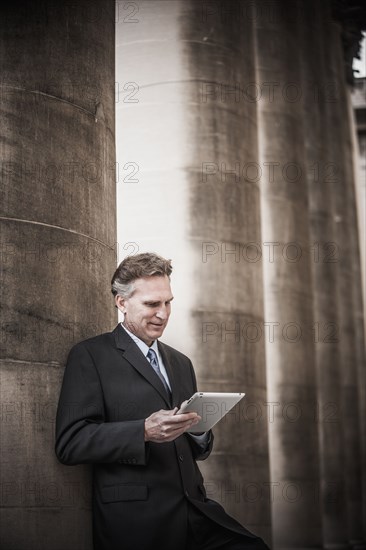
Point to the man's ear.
(120, 303)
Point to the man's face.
(148, 309)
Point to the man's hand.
(179, 412)
(164, 426)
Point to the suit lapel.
(136, 358)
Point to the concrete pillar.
(349, 287)
(57, 249)
(358, 251)
(360, 269)
(358, 99)
(288, 288)
(192, 134)
(321, 171)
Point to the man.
(118, 411)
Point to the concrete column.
(192, 134)
(360, 312)
(349, 287)
(288, 294)
(57, 249)
(318, 96)
(358, 99)
(359, 305)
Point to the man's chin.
(156, 332)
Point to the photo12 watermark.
(270, 252)
(269, 92)
(271, 332)
(268, 172)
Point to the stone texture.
(43, 505)
(58, 248)
(352, 362)
(325, 278)
(288, 287)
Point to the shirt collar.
(143, 347)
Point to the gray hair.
(124, 290)
(146, 264)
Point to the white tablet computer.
(211, 407)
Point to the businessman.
(118, 411)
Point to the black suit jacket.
(141, 491)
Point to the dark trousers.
(204, 534)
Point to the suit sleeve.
(82, 434)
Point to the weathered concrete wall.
(57, 249)
(288, 284)
(307, 126)
(351, 331)
(227, 316)
(359, 144)
(322, 172)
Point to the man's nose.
(162, 313)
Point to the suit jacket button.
(186, 493)
(181, 458)
(133, 460)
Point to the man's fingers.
(168, 417)
(165, 412)
(182, 427)
(183, 417)
(171, 417)
(176, 425)
(166, 425)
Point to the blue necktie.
(151, 355)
